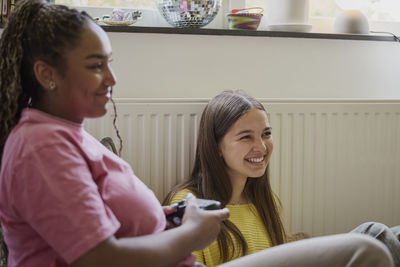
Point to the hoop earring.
(52, 84)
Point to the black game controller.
(175, 218)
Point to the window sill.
(226, 32)
(222, 32)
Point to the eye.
(96, 66)
(267, 134)
(245, 137)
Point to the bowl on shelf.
(245, 18)
(189, 13)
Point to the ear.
(44, 74)
(220, 150)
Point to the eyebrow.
(251, 131)
(99, 56)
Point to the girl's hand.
(168, 210)
(205, 224)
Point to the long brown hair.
(205, 180)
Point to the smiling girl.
(234, 148)
(233, 152)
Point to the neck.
(48, 107)
(238, 196)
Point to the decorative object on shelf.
(352, 20)
(189, 13)
(289, 15)
(242, 19)
(120, 17)
(118, 23)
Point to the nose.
(259, 145)
(110, 79)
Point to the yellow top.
(247, 220)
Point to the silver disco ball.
(189, 13)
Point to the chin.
(98, 113)
(257, 174)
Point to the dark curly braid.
(36, 30)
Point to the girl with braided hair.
(65, 199)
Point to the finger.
(222, 214)
(191, 201)
(189, 196)
(169, 209)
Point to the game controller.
(175, 218)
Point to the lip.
(247, 159)
(106, 94)
(101, 93)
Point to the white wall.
(200, 66)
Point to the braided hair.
(36, 30)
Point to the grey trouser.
(344, 250)
(388, 236)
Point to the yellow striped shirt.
(247, 220)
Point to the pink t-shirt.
(62, 193)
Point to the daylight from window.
(380, 10)
(111, 3)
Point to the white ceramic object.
(284, 15)
(288, 12)
(351, 21)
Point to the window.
(321, 11)
(378, 10)
(110, 3)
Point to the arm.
(199, 228)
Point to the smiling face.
(84, 84)
(247, 146)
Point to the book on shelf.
(5, 10)
(7, 6)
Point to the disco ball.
(189, 13)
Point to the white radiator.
(335, 164)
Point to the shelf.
(206, 31)
(226, 32)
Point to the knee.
(373, 224)
(371, 251)
(373, 229)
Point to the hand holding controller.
(175, 219)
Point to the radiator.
(336, 163)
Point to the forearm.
(163, 249)
(198, 230)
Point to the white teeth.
(256, 160)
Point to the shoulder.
(29, 141)
(180, 195)
(37, 129)
(32, 139)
